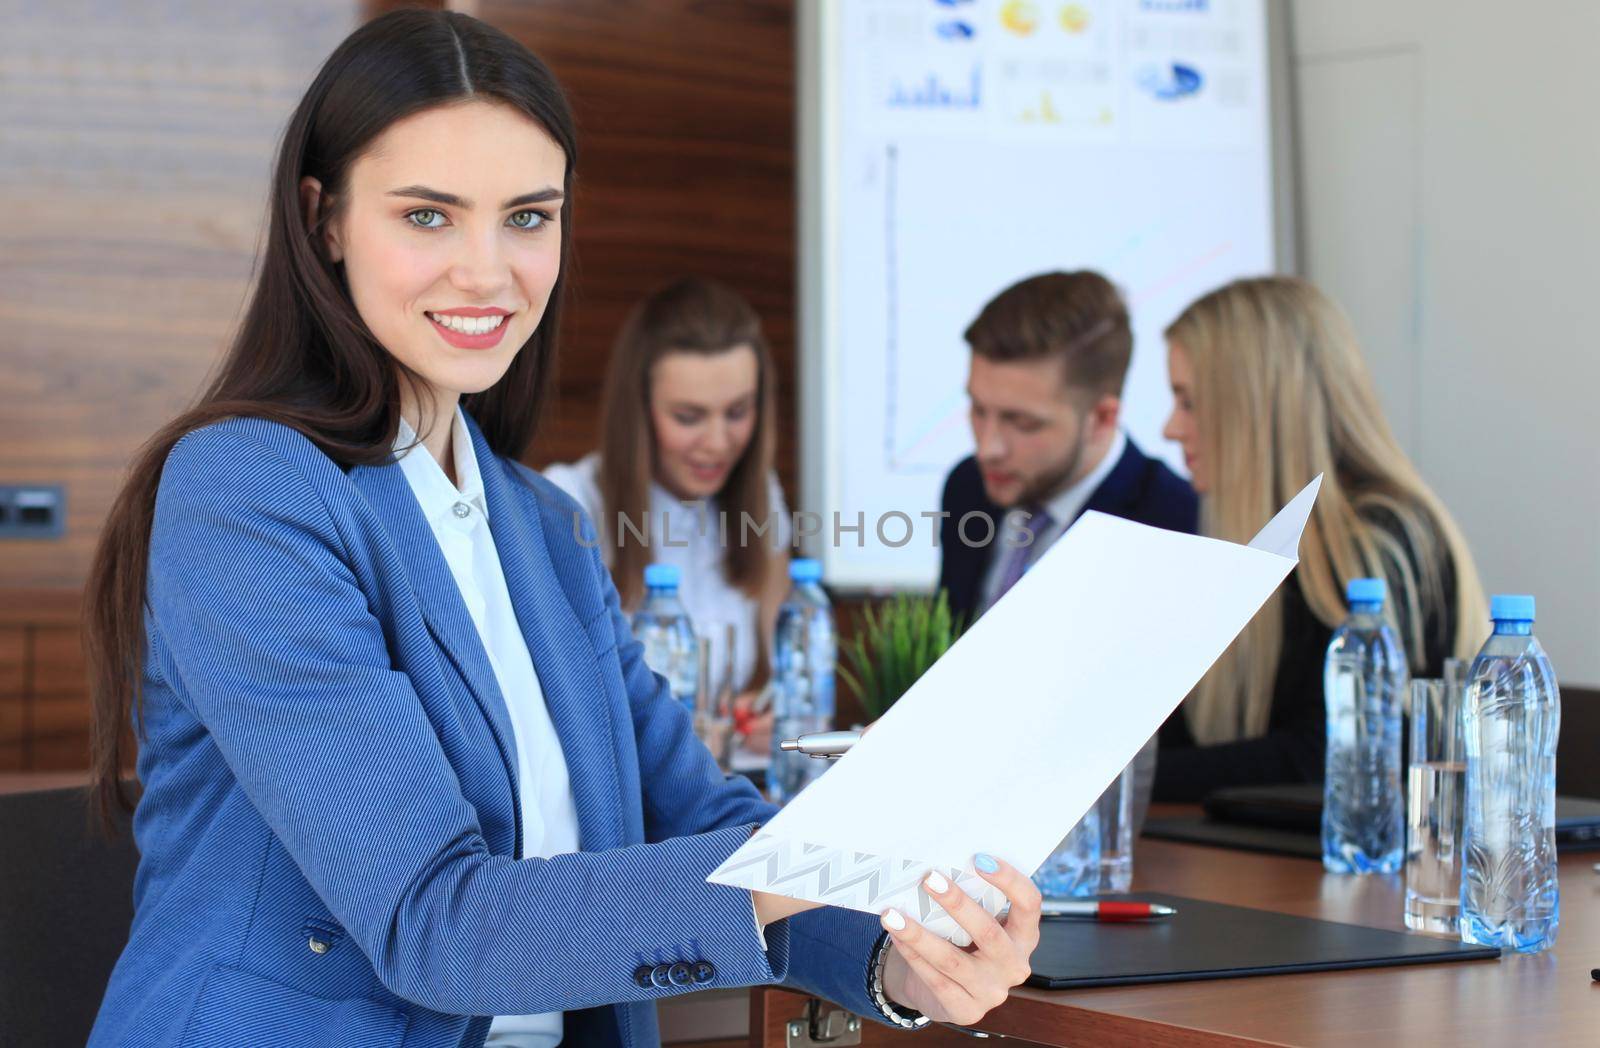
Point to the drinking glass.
(1435, 803)
(1116, 833)
(713, 703)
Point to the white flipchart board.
(952, 147)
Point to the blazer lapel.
(448, 619)
(1116, 494)
(559, 646)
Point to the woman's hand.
(948, 983)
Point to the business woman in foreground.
(407, 779)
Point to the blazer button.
(680, 974)
(317, 945)
(704, 971)
(660, 977)
(641, 975)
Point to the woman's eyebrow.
(451, 200)
(744, 399)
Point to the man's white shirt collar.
(1064, 506)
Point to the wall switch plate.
(32, 511)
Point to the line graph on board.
(963, 147)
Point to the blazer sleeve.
(266, 634)
(686, 793)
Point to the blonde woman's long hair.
(1282, 394)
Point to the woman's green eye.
(527, 220)
(425, 217)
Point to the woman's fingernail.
(986, 863)
(893, 920)
(936, 883)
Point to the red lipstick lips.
(471, 338)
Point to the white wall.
(1449, 199)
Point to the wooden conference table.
(1541, 1000)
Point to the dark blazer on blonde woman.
(1295, 743)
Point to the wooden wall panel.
(12, 643)
(136, 143)
(137, 138)
(141, 137)
(59, 667)
(13, 717)
(686, 119)
(58, 700)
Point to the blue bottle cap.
(1511, 607)
(661, 576)
(1366, 591)
(805, 569)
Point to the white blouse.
(689, 535)
(459, 519)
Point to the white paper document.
(1005, 742)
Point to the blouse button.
(462, 510)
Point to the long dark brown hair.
(693, 315)
(303, 356)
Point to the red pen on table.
(1109, 910)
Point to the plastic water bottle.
(1364, 685)
(1511, 717)
(1073, 869)
(664, 628)
(803, 668)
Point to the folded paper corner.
(855, 880)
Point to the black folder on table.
(1210, 940)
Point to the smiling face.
(703, 412)
(449, 232)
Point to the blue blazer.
(1138, 488)
(329, 822)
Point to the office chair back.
(66, 902)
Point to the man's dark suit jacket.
(1138, 488)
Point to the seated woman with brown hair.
(685, 459)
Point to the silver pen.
(823, 745)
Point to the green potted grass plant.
(901, 638)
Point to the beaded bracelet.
(907, 1019)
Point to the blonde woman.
(1269, 390)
